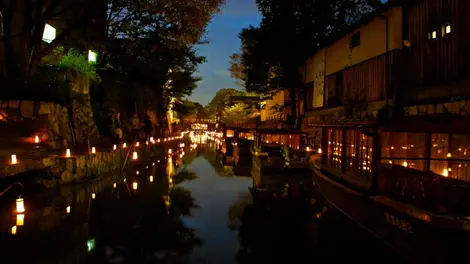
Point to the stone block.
(27, 109)
(14, 104)
(44, 109)
(66, 177)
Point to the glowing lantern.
(20, 219)
(68, 209)
(36, 139)
(67, 153)
(153, 164)
(146, 142)
(137, 172)
(13, 230)
(307, 149)
(20, 205)
(319, 151)
(93, 150)
(445, 173)
(13, 159)
(114, 185)
(151, 139)
(93, 196)
(169, 151)
(151, 178)
(134, 185)
(124, 145)
(158, 140)
(137, 144)
(114, 147)
(49, 33)
(449, 155)
(405, 164)
(92, 56)
(135, 156)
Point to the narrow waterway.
(184, 208)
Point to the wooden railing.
(365, 82)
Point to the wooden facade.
(437, 31)
(369, 81)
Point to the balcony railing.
(365, 82)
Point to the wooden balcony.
(364, 82)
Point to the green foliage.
(76, 61)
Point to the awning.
(438, 123)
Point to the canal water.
(184, 208)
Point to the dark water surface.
(192, 210)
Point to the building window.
(358, 154)
(335, 148)
(356, 40)
(404, 149)
(446, 30)
(450, 156)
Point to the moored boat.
(405, 181)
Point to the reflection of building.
(409, 57)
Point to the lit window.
(92, 56)
(49, 33)
(446, 29)
(433, 35)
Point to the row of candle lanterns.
(68, 154)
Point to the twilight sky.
(223, 36)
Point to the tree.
(290, 31)
(237, 70)
(221, 100)
(23, 25)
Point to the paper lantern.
(20, 205)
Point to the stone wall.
(20, 120)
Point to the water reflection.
(175, 210)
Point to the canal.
(186, 208)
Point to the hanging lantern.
(151, 178)
(124, 145)
(68, 209)
(67, 153)
(153, 164)
(93, 196)
(93, 150)
(13, 230)
(137, 172)
(135, 156)
(20, 219)
(114, 147)
(13, 159)
(114, 185)
(36, 139)
(134, 185)
(20, 205)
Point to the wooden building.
(410, 57)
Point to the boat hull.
(408, 232)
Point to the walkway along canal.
(179, 208)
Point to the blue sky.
(222, 33)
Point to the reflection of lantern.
(134, 155)
(93, 150)
(114, 147)
(93, 196)
(67, 153)
(68, 209)
(134, 185)
(13, 230)
(13, 159)
(151, 178)
(20, 219)
(20, 205)
(36, 139)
